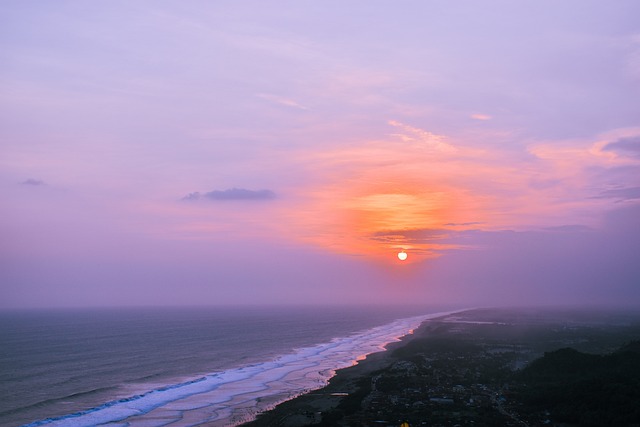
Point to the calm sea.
(153, 367)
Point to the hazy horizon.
(223, 153)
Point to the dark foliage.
(586, 389)
(434, 345)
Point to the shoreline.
(306, 408)
(255, 408)
(462, 368)
(238, 395)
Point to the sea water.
(182, 367)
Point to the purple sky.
(231, 152)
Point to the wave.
(46, 402)
(236, 395)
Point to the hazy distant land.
(488, 367)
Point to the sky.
(159, 153)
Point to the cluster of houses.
(436, 392)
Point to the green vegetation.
(585, 389)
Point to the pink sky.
(188, 152)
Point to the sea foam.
(237, 395)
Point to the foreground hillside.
(584, 389)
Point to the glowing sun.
(402, 255)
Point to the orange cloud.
(376, 189)
(374, 197)
(483, 117)
(416, 190)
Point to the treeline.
(585, 389)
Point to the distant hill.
(585, 389)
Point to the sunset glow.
(160, 153)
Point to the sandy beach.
(307, 409)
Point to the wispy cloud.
(628, 145)
(463, 224)
(371, 197)
(414, 134)
(231, 195)
(620, 194)
(34, 182)
(569, 228)
(482, 117)
(282, 101)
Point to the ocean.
(178, 366)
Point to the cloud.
(282, 101)
(483, 117)
(32, 181)
(573, 228)
(425, 243)
(232, 194)
(372, 196)
(626, 145)
(423, 137)
(418, 235)
(622, 194)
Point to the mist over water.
(55, 363)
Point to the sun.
(402, 255)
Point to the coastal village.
(455, 371)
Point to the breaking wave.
(237, 395)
